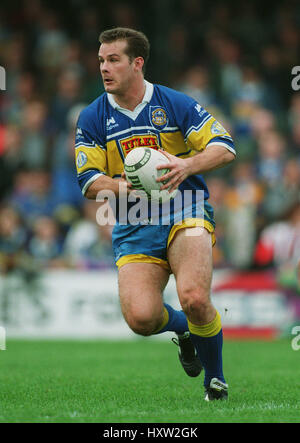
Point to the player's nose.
(104, 67)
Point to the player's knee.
(142, 324)
(193, 299)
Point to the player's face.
(117, 70)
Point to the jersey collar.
(134, 114)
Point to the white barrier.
(85, 304)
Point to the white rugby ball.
(140, 170)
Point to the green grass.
(143, 382)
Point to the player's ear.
(139, 63)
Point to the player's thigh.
(141, 287)
(190, 258)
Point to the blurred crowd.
(236, 61)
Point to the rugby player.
(131, 113)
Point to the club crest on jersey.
(158, 117)
(81, 159)
(217, 129)
(139, 141)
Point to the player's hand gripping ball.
(140, 170)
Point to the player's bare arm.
(117, 185)
(213, 157)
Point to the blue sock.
(175, 321)
(209, 348)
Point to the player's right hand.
(124, 186)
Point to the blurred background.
(234, 58)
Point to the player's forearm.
(213, 157)
(100, 184)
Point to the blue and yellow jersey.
(166, 119)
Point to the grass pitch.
(142, 382)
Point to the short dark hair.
(137, 43)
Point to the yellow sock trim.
(209, 330)
(164, 322)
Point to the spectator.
(33, 195)
(279, 243)
(284, 193)
(64, 177)
(35, 138)
(196, 85)
(251, 88)
(12, 238)
(45, 245)
(88, 243)
(218, 189)
(10, 160)
(26, 92)
(262, 121)
(67, 95)
(49, 51)
(271, 156)
(242, 200)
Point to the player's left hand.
(179, 171)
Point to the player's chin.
(111, 88)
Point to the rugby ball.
(140, 170)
